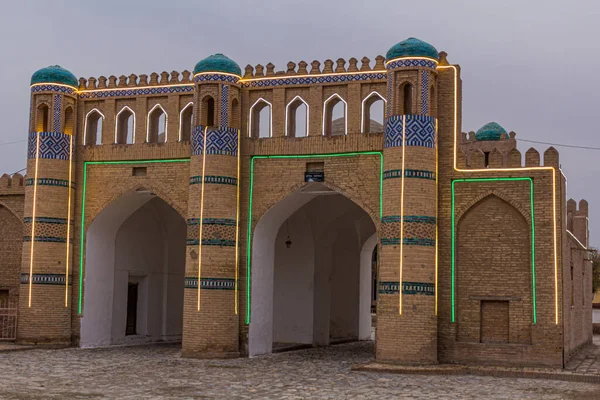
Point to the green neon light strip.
(82, 234)
(453, 275)
(251, 190)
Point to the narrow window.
(297, 118)
(41, 118)
(125, 126)
(235, 114)
(335, 122)
(373, 109)
(69, 121)
(92, 134)
(132, 301)
(185, 123)
(407, 93)
(487, 158)
(432, 102)
(260, 119)
(207, 111)
(157, 125)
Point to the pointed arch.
(125, 126)
(153, 125)
(367, 103)
(41, 118)
(255, 128)
(406, 94)
(291, 122)
(328, 110)
(93, 124)
(185, 122)
(207, 111)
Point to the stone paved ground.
(158, 372)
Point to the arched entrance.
(134, 273)
(311, 275)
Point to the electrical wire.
(558, 144)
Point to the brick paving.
(159, 372)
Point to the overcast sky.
(529, 65)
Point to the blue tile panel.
(220, 141)
(212, 221)
(418, 242)
(213, 179)
(424, 92)
(137, 92)
(53, 88)
(409, 173)
(44, 279)
(419, 230)
(409, 218)
(45, 239)
(224, 106)
(316, 79)
(215, 232)
(210, 283)
(411, 288)
(420, 131)
(412, 63)
(57, 111)
(49, 182)
(46, 220)
(53, 145)
(216, 78)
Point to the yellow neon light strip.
(556, 306)
(402, 216)
(411, 58)
(133, 88)
(436, 216)
(35, 179)
(201, 216)
(54, 84)
(237, 227)
(377, 71)
(218, 73)
(68, 223)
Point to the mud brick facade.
(481, 258)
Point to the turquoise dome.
(490, 131)
(412, 47)
(218, 63)
(54, 74)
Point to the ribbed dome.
(54, 74)
(412, 47)
(490, 131)
(218, 63)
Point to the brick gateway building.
(236, 211)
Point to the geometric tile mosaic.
(402, 62)
(389, 287)
(57, 110)
(224, 105)
(424, 92)
(50, 182)
(44, 279)
(137, 92)
(219, 180)
(316, 79)
(216, 78)
(409, 173)
(420, 131)
(221, 141)
(412, 288)
(215, 232)
(53, 145)
(53, 88)
(210, 283)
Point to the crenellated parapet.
(513, 158)
(578, 220)
(12, 185)
(135, 81)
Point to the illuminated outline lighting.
(35, 180)
(362, 115)
(132, 88)
(436, 214)
(345, 113)
(251, 191)
(148, 122)
(533, 291)
(83, 196)
(250, 112)
(556, 306)
(117, 125)
(237, 229)
(411, 58)
(216, 73)
(190, 104)
(201, 216)
(402, 217)
(70, 191)
(378, 71)
(54, 84)
(307, 116)
(86, 123)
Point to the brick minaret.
(406, 320)
(45, 292)
(211, 312)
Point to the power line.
(18, 141)
(559, 144)
(21, 170)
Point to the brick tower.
(45, 292)
(406, 321)
(210, 307)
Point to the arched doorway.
(311, 275)
(134, 273)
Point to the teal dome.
(490, 131)
(218, 63)
(54, 74)
(412, 47)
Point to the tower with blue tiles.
(406, 321)
(45, 291)
(211, 308)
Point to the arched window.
(185, 122)
(125, 129)
(235, 114)
(69, 121)
(296, 115)
(407, 99)
(335, 121)
(41, 118)
(157, 125)
(260, 124)
(207, 111)
(432, 102)
(373, 111)
(92, 130)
